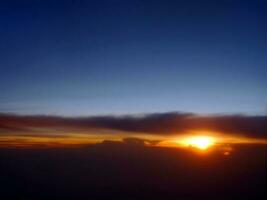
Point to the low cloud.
(173, 123)
(131, 141)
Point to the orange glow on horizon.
(202, 141)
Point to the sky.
(86, 58)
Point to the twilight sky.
(117, 57)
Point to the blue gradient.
(117, 57)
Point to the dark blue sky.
(112, 57)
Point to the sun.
(200, 142)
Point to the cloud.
(172, 123)
(131, 141)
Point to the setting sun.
(200, 142)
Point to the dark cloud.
(139, 142)
(156, 124)
(131, 141)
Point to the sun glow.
(200, 142)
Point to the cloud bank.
(173, 123)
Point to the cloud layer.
(173, 123)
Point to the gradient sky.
(116, 57)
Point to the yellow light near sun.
(200, 142)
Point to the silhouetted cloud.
(131, 141)
(156, 124)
